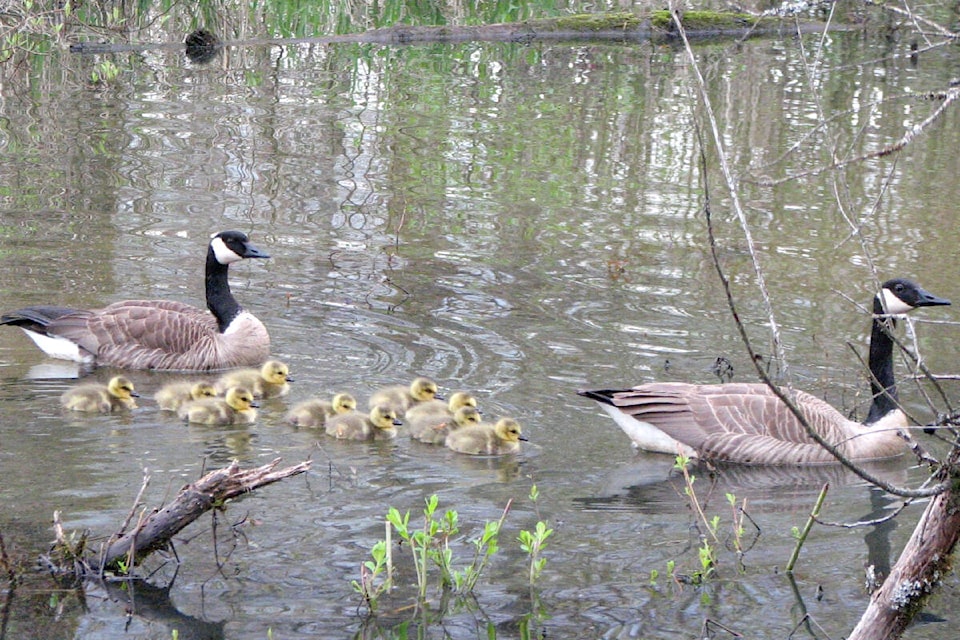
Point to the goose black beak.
(927, 299)
(250, 251)
(523, 438)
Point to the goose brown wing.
(737, 422)
(143, 333)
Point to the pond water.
(518, 220)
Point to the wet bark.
(921, 567)
(155, 530)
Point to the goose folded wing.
(148, 332)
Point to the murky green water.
(517, 220)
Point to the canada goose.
(116, 395)
(457, 400)
(237, 407)
(314, 413)
(487, 439)
(158, 334)
(748, 424)
(400, 398)
(380, 424)
(171, 397)
(433, 429)
(269, 381)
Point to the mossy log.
(155, 530)
(921, 568)
(621, 26)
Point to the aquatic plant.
(533, 542)
(710, 529)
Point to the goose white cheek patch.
(223, 253)
(892, 304)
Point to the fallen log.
(622, 26)
(155, 530)
(922, 566)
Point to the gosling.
(400, 398)
(457, 400)
(117, 395)
(487, 439)
(238, 407)
(434, 429)
(314, 413)
(171, 397)
(380, 424)
(269, 381)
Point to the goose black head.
(900, 295)
(232, 246)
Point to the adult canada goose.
(434, 428)
(269, 381)
(487, 439)
(748, 424)
(380, 424)
(458, 399)
(314, 413)
(170, 397)
(158, 334)
(400, 398)
(118, 394)
(237, 407)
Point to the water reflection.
(515, 220)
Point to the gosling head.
(383, 417)
(465, 416)
(240, 399)
(461, 399)
(424, 389)
(344, 402)
(120, 387)
(202, 390)
(508, 430)
(275, 372)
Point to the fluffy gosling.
(380, 424)
(171, 397)
(400, 398)
(457, 400)
(314, 413)
(116, 395)
(487, 439)
(269, 381)
(237, 407)
(434, 429)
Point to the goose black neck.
(882, 385)
(220, 301)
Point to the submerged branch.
(155, 530)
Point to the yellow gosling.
(380, 424)
(116, 395)
(400, 398)
(237, 407)
(487, 439)
(435, 429)
(269, 381)
(315, 413)
(171, 397)
(457, 400)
